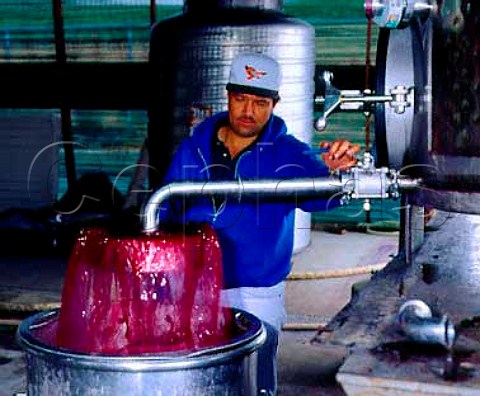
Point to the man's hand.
(341, 154)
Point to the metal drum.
(190, 58)
(438, 136)
(229, 369)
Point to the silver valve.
(399, 98)
(365, 181)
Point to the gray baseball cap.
(255, 74)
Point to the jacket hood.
(202, 134)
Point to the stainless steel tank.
(229, 369)
(438, 136)
(190, 58)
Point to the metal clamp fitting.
(416, 320)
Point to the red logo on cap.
(254, 73)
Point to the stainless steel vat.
(190, 58)
(438, 137)
(229, 369)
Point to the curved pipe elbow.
(277, 188)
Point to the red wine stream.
(145, 294)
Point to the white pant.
(267, 304)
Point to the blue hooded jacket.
(256, 236)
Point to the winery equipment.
(426, 105)
(426, 115)
(426, 102)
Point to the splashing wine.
(144, 294)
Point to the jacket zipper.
(212, 199)
(237, 176)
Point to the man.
(256, 237)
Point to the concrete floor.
(303, 368)
(306, 368)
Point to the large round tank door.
(438, 137)
(399, 102)
(400, 65)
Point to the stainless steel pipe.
(406, 184)
(302, 187)
(386, 185)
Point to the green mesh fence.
(95, 30)
(118, 30)
(26, 31)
